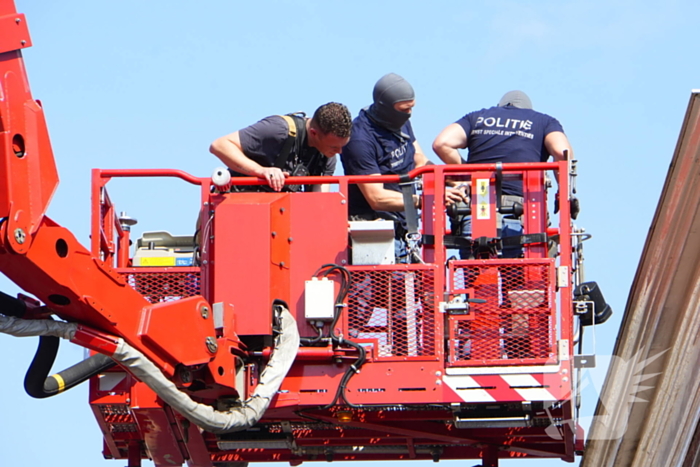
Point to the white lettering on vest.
(514, 124)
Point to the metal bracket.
(584, 361)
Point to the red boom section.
(27, 168)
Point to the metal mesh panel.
(515, 322)
(394, 309)
(114, 409)
(163, 286)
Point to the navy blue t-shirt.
(263, 141)
(375, 150)
(507, 134)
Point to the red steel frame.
(412, 399)
(384, 381)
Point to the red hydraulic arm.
(27, 164)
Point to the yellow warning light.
(344, 416)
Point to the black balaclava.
(517, 99)
(389, 90)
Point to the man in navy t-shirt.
(383, 143)
(508, 132)
(254, 150)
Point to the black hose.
(12, 306)
(37, 382)
(40, 385)
(311, 341)
(354, 368)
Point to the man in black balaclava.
(383, 143)
(391, 89)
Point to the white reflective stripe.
(467, 389)
(521, 380)
(528, 387)
(535, 394)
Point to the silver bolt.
(17, 20)
(20, 236)
(342, 201)
(23, 42)
(212, 346)
(205, 312)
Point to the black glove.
(574, 206)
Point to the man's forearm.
(381, 199)
(449, 155)
(234, 158)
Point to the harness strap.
(282, 157)
(409, 208)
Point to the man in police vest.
(508, 132)
(383, 143)
(268, 150)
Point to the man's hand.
(455, 195)
(274, 177)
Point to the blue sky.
(150, 84)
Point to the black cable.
(345, 278)
(342, 292)
(354, 368)
(39, 385)
(311, 341)
(12, 306)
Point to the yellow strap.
(291, 124)
(59, 380)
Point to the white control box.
(372, 242)
(319, 300)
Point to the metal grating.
(163, 286)
(394, 309)
(515, 324)
(118, 418)
(114, 409)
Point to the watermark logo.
(634, 378)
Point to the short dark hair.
(333, 118)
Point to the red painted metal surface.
(15, 34)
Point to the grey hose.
(204, 416)
(237, 418)
(36, 327)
